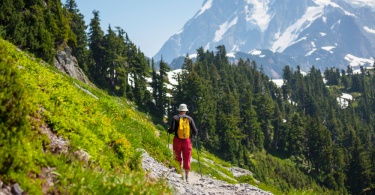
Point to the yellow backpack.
(183, 130)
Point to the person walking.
(183, 127)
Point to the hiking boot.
(187, 179)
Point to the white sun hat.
(183, 108)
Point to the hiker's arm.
(193, 128)
(172, 127)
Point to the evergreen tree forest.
(108, 58)
(238, 110)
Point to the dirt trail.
(197, 185)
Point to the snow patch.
(191, 56)
(258, 14)
(231, 55)
(330, 3)
(223, 29)
(310, 52)
(361, 3)
(172, 77)
(357, 61)
(344, 100)
(255, 52)
(278, 82)
(329, 48)
(205, 7)
(292, 32)
(370, 30)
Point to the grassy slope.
(108, 128)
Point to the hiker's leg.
(177, 147)
(187, 175)
(186, 153)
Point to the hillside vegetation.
(99, 137)
(35, 99)
(296, 138)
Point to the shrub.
(122, 148)
(13, 116)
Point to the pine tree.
(78, 27)
(96, 36)
(13, 22)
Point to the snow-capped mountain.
(323, 33)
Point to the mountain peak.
(302, 30)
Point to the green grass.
(106, 127)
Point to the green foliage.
(2, 31)
(241, 113)
(40, 27)
(122, 148)
(282, 174)
(105, 127)
(14, 113)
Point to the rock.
(237, 172)
(68, 64)
(16, 189)
(6, 189)
(58, 145)
(82, 155)
(47, 174)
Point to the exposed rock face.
(65, 62)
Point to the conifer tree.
(78, 27)
(96, 36)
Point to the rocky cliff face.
(65, 62)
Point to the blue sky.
(149, 23)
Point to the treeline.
(110, 60)
(239, 111)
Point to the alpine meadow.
(81, 106)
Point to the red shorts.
(184, 147)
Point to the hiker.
(183, 128)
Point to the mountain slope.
(63, 136)
(70, 141)
(314, 32)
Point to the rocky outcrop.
(65, 62)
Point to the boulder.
(65, 62)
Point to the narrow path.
(197, 185)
